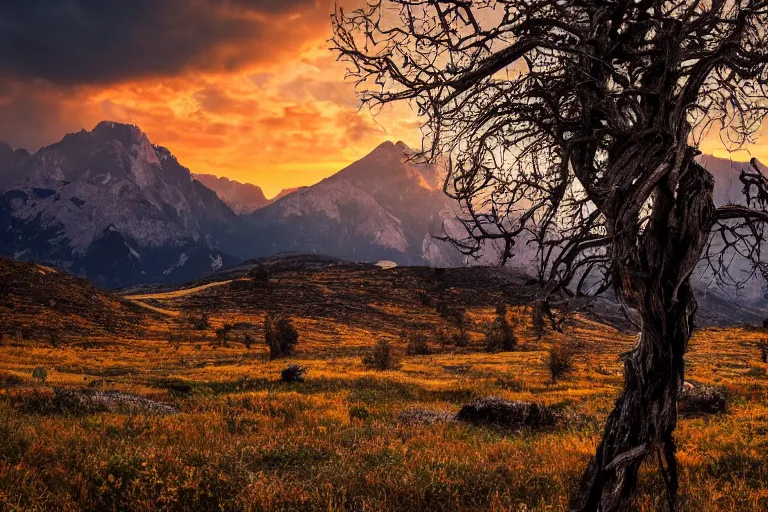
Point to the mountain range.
(110, 206)
(382, 207)
(243, 198)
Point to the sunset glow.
(262, 101)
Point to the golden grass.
(245, 441)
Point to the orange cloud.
(273, 110)
(240, 88)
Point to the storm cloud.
(98, 41)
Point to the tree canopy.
(575, 125)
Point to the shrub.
(455, 315)
(444, 337)
(382, 356)
(559, 362)
(8, 380)
(461, 338)
(359, 412)
(425, 299)
(54, 338)
(201, 323)
(293, 373)
(417, 345)
(280, 335)
(501, 336)
(222, 333)
(259, 276)
(40, 373)
(763, 351)
(247, 340)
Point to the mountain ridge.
(109, 205)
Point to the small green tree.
(40, 374)
(382, 357)
(417, 345)
(280, 335)
(222, 333)
(559, 362)
(501, 335)
(461, 337)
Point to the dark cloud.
(105, 41)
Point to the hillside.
(192, 415)
(38, 301)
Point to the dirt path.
(162, 311)
(177, 293)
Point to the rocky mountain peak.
(110, 205)
(241, 197)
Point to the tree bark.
(652, 277)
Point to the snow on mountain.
(109, 205)
(383, 206)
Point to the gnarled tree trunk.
(653, 280)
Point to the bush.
(382, 357)
(461, 338)
(293, 373)
(280, 335)
(40, 373)
(201, 323)
(259, 276)
(425, 299)
(359, 412)
(559, 362)
(453, 314)
(444, 336)
(763, 351)
(501, 336)
(247, 340)
(54, 338)
(417, 345)
(222, 333)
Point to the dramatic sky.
(239, 88)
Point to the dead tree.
(575, 124)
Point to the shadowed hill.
(38, 300)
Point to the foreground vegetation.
(191, 413)
(347, 437)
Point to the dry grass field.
(348, 438)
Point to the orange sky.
(243, 88)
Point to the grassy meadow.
(347, 439)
